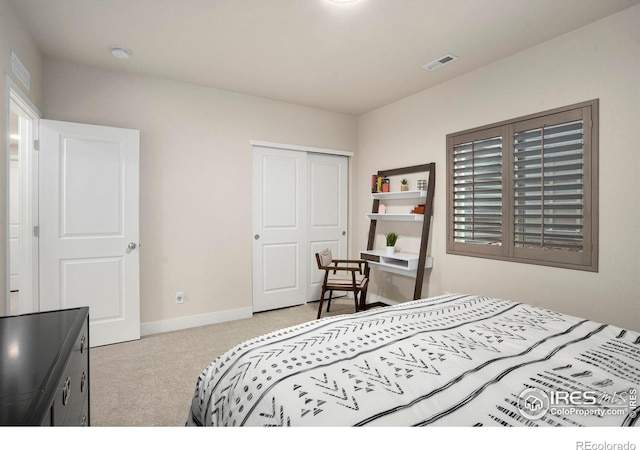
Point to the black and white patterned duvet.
(454, 360)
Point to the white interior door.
(89, 226)
(280, 228)
(328, 194)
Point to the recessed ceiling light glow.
(120, 52)
(341, 2)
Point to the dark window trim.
(505, 252)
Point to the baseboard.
(182, 323)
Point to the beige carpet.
(150, 382)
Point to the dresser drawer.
(73, 389)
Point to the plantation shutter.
(477, 169)
(526, 190)
(549, 187)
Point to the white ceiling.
(349, 58)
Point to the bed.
(452, 360)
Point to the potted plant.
(391, 242)
(404, 185)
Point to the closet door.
(328, 194)
(299, 208)
(280, 256)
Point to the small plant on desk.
(404, 185)
(391, 238)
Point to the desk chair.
(342, 275)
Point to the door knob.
(256, 237)
(344, 233)
(132, 246)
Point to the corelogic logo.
(533, 403)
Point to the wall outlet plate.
(179, 297)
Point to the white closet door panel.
(325, 204)
(328, 186)
(280, 228)
(280, 266)
(281, 205)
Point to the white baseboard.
(183, 323)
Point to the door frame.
(13, 93)
(318, 150)
(300, 148)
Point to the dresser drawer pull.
(66, 391)
(83, 380)
(83, 342)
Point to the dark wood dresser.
(44, 368)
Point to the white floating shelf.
(398, 195)
(400, 263)
(400, 217)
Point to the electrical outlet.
(179, 297)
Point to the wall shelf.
(399, 217)
(407, 264)
(399, 195)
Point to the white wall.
(195, 175)
(601, 60)
(13, 37)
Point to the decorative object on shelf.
(379, 184)
(382, 209)
(391, 242)
(418, 209)
(375, 179)
(422, 185)
(404, 185)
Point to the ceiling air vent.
(440, 62)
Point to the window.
(525, 190)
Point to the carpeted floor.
(150, 382)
